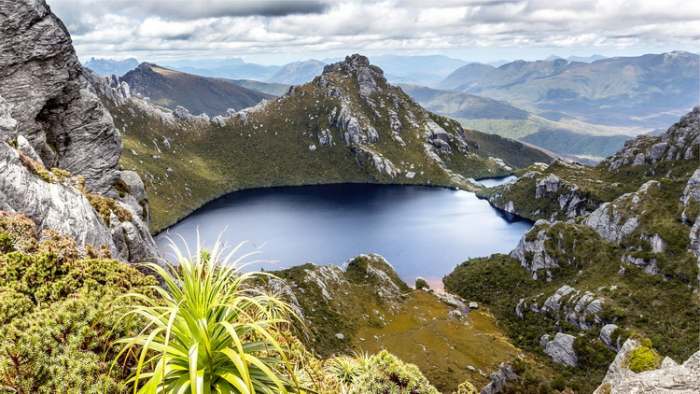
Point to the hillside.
(613, 256)
(567, 142)
(347, 125)
(463, 105)
(646, 91)
(171, 89)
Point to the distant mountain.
(462, 78)
(557, 134)
(582, 59)
(645, 91)
(198, 94)
(107, 67)
(233, 68)
(421, 70)
(463, 105)
(298, 73)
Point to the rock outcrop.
(56, 202)
(45, 91)
(532, 253)
(499, 379)
(51, 113)
(580, 308)
(679, 142)
(616, 220)
(560, 349)
(541, 195)
(670, 377)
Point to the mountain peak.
(355, 64)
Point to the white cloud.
(170, 28)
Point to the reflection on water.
(422, 231)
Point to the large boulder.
(560, 349)
(670, 377)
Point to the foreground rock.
(52, 114)
(670, 377)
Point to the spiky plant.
(210, 330)
(343, 368)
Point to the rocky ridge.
(680, 142)
(52, 118)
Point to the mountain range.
(643, 92)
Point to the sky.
(280, 31)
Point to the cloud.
(181, 28)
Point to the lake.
(421, 231)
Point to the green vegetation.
(208, 331)
(421, 284)
(105, 207)
(643, 358)
(390, 375)
(57, 313)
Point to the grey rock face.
(606, 333)
(691, 196)
(616, 220)
(51, 205)
(25, 147)
(531, 251)
(670, 378)
(679, 142)
(560, 349)
(48, 97)
(368, 76)
(582, 309)
(383, 165)
(7, 122)
(550, 184)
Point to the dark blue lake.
(422, 231)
